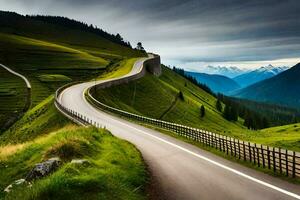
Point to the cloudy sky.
(191, 33)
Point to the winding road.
(181, 170)
(17, 74)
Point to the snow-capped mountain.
(259, 74)
(222, 70)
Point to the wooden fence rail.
(279, 160)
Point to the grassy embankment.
(158, 98)
(116, 171)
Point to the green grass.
(287, 136)
(155, 97)
(118, 69)
(40, 120)
(53, 78)
(13, 93)
(43, 62)
(116, 170)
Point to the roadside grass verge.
(116, 169)
(118, 69)
(228, 157)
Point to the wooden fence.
(279, 160)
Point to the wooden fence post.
(262, 155)
(223, 144)
(244, 150)
(254, 159)
(269, 164)
(274, 160)
(294, 164)
(231, 152)
(239, 149)
(280, 167)
(234, 147)
(226, 145)
(249, 148)
(286, 162)
(258, 159)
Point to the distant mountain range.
(217, 83)
(225, 71)
(259, 74)
(283, 88)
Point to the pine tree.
(180, 95)
(219, 105)
(226, 113)
(202, 111)
(234, 113)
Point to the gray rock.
(14, 184)
(43, 169)
(80, 161)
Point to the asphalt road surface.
(180, 170)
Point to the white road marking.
(296, 196)
(207, 159)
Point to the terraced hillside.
(159, 98)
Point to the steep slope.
(281, 89)
(257, 75)
(218, 83)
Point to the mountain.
(257, 75)
(217, 83)
(283, 89)
(225, 71)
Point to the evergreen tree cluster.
(70, 23)
(257, 115)
(277, 115)
(233, 110)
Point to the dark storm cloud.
(191, 30)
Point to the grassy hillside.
(158, 98)
(13, 93)
(50, 52)
(40, 120)
(288, 136)
(116, 169)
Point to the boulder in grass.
(43, 169)
(14, 184)
(83, 162)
